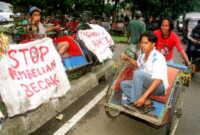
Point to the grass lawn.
(120, 39)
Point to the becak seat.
(126, 74)
(172, 73)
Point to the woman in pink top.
(167, 40)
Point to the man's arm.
(132, 61)
(185, 58)
(181, 50)
(53, 28)
(155, 83)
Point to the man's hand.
(130, 60)
(54, 28)
(188, 64)
(57, 27)
(124, 56)
(195, 41)
(140, 102)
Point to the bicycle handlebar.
(179, 66)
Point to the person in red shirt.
(167, 40)
(67, 47)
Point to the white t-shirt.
(155, 65)
(42, 29)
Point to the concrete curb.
(31, 121)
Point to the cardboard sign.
(98, 41)
(31, 74)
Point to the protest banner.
(98, 41)
(31, 74)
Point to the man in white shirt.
(150, 75)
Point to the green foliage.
(120, 39)
(108, 9)
(149, 7)
(196, 5)
(65, 6)
(161, 8)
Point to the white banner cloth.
(98, 41)
(31, 74)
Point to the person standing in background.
(135, 29)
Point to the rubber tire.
(112, 113)
(176, 111)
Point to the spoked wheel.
(112, 113)
(176, 111)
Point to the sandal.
(131, 107)
(148, 108)
(143, 109)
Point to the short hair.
(171, 23)
(33, 9)
(138, 14)
(151, 37)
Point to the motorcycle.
(193, 52)
(193, 49)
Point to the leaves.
(149, 7)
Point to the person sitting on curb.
(150, 74)
(35, 28)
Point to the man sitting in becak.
(67, 47)
(149, 77)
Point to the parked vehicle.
(189, 22)
(6, 12)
